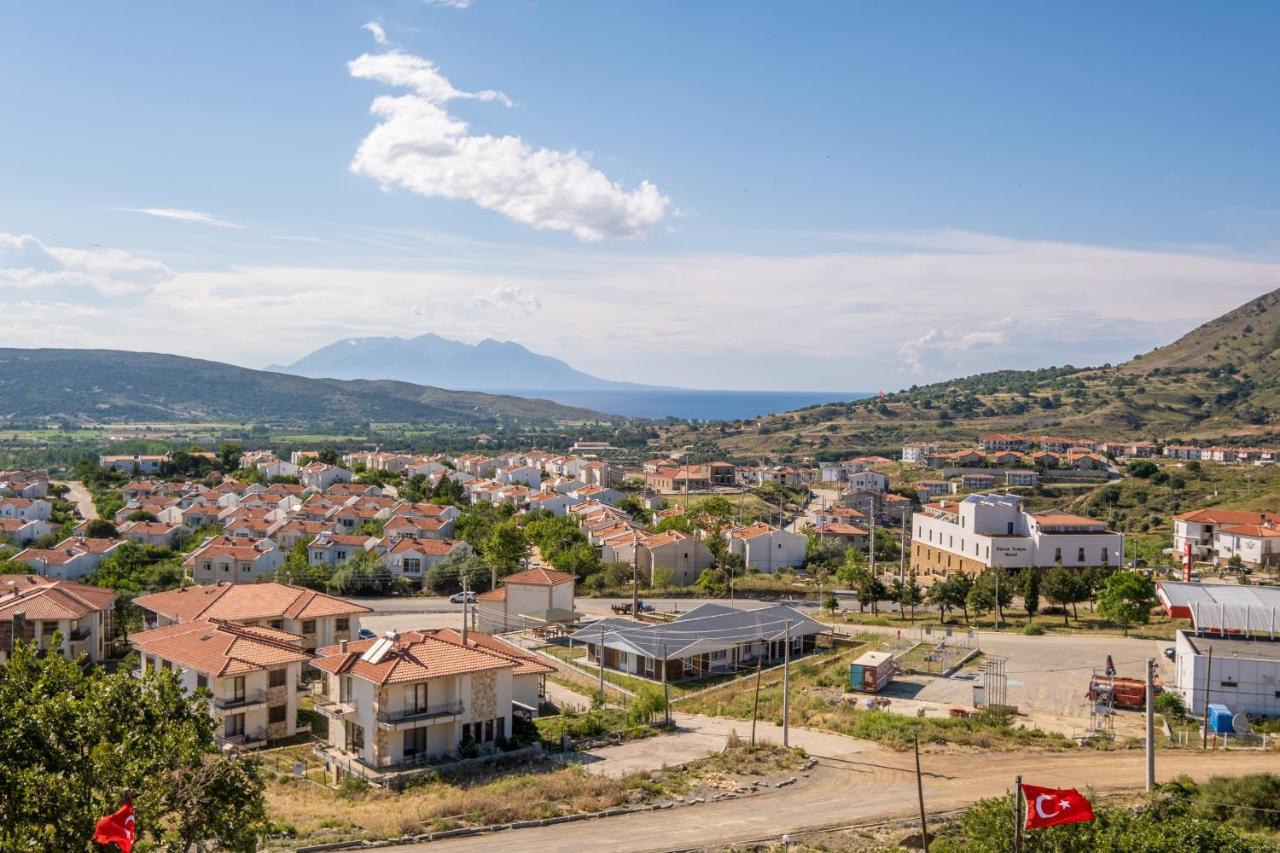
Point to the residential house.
(1003, 441)
(1217, 535)
(684, 555)
(229, 560)
(29, 509)
(1021, 477)
(318, 475)
(972, 482)
(70, 559)
(332, 549)
(869, 480)
(22, 532)
(402, 701)
(766, 548)
(254, 674)
(319, 619)
(36, 608)
(528, 679)
(156, 533)
(413, 558)
(136, 464)
(914, 452)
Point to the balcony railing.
(228, 703)
(332, 709)
(404, 715)
(80, 634)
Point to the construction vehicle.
(1118, 692)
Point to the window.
(1009, 527)
(277, 713)
(309, 626)
(276, 678)
(47, 628)
(502, 727)
(278, 624)
(719, 655)
(344, 688)
(624, 659)
(418, 696)
(1080, 556)
(1057, 555)
(202, 680)
(341, 555)
(342, 623)
(488, 731)
(355, 736)
(208, 567)
(1103, 560)
(234, 726)
(1229, 682)
(413, 567)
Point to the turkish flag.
(1055, 806)
(116, 828)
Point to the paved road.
(79, 495)
(873, 784)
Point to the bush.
(1171, 706)
(1033, 630)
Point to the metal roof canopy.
(1226, 608)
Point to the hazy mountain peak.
(430, 359)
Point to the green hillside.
(108, 386)
(1219, 382)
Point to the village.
(400, 614)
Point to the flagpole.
(1017, 814)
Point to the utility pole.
(635, 589)
(1017, 814)
(1151, 725)
(666, 688)
(601, 663)
(1204, 729)
(872, 549)
(755, 706)
(786, 689)
(924, 829)
(465, 608)
(902, 560)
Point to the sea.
(692, 404)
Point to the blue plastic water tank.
(1220, 720)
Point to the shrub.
(1033, 630)
(1171, 706)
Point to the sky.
(838, 196)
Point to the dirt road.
(876, 783)
(79, 495)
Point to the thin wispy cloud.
(176, 214)
(452, 4)
(375, 29)
(420, 146)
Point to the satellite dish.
(1240, 724)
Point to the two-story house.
(34, 608)
(253, 672)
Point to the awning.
(553, 616)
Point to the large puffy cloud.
(27, 263)
(420, 146)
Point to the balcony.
(79, 635)
(333, 709)
(410, 716)
(248, 740)
(237, 704)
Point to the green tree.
(414, 489)
(909, 594)
(101, 528)
(445, 577)
(664, 578)
(1031, 591)
(298, 570)
(1064, 587)
(994, 589)
(72, 739)
(363, 573)
(134, 568)
(505, 548)
(1127, 599)
(448, 492)
(229, 454)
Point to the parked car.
(461, 597)
(366, 634)
(1170, 652)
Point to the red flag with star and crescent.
(1055, 806)
(116, 828)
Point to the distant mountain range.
(110, 386)
(433, 360)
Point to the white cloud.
(420, 146)
(452, 4)
(375, 29)
(178, 215)
(823, 320)
(509, 298)
(29, 264)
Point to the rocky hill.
(1220, 381)
(109, 386)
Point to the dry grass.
(312, 812)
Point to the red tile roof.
(220, 648)
(415, 656)
(242, 602)
(539, 577)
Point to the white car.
(460, 597)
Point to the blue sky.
(839, 196)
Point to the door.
(237, 689)
(416, 698)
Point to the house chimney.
(342, 647)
